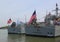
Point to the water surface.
(5, 37)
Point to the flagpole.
(25, 19)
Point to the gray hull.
(14, 30)
(20, 29)
(50, 31)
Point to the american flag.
(33, 17)
(9, 21)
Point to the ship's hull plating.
(50, 31)
(18, 29)
(40, 31)
(14, 30)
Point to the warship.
(50, 27)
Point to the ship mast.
(57, 9)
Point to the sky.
(23, 9)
